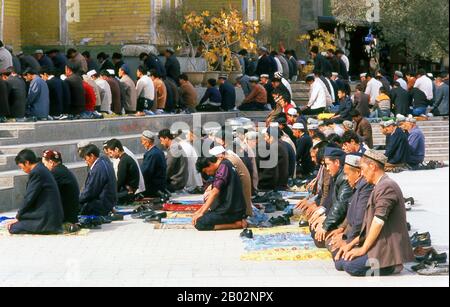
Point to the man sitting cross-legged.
(225, 204)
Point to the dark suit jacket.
(228, 93)
(323, 65)
(100, 192)
(4, 104)
(154, 169)
(361, 102)
(56, 90)
(41, 211)
(173, 68)
(77, 98)
(69, 192)
(116, 95)
(17, 96)
(401, 99)
(265, 66)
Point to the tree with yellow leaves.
(320, 38)
(221, 34)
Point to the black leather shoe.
(433, 256)
(421, 266)
(115, 217)
(155, 217)
(247, 233)
(142, 215)
(303, 224)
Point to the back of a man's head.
(26, 155)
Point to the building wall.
(40, 22)
(112, 22)
(11, 23)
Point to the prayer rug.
(173, 227)
(177, 221)
(284, 243)
(5, 233)
(181, 208)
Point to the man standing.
(224, 206)
(38, 100)
(228, 93)
(401, 99)
(293, 66)
(17, 97)
(130, 89)
(77, 94)
(363, 128)
(154, 167)
(100, 191)
(440, 107)
(127, 172)
(172, 65)
(383, 245)
(304, 143)
(177, 164)
(41, 211)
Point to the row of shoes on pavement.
(430, 261)
(148, 215)
(96, 222)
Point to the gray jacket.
(177, 168)
(441, 99)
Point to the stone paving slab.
(131, 253)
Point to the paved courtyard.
(131, 253)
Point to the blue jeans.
(358, 267)
(419, 111)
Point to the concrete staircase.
(436, 133)
(64, 136)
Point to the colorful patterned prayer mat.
(173, 227)
(181, 208)
(287, 254)
(284, 243)
(178, 221)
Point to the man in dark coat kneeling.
(41, 212)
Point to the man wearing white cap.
(285, 82)
(363, 79)
(291, 116)
(397, 146)
(43, 60)
(154, 165)
(398, 76)
(304, 143)
(416, 140)
(424, 84)
(356, 209)
(104, 104)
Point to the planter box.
(196, 78)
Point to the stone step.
(96, 128)
(68, 149)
